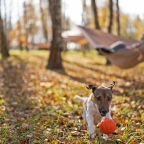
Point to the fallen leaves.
(38, 106)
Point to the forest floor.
(37, 106)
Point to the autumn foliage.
(38, 105)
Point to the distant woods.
(44, 19)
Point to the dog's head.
(102, 97)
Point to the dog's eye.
(98, 98)
(109, 98)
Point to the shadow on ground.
(18, 102)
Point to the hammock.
(120, 51)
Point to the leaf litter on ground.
(38, 106)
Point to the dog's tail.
(81, 99)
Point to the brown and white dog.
(96, 106)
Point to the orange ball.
(107, 126)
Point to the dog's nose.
(103, 112)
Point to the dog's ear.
(112, 85)
(92, 87)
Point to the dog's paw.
(93, 135)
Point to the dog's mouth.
(102, 114)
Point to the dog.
(97, 106)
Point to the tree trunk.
(20, 35)
(10, 16)
(110, 24)
(25, 26)
(84, 14)
(95, 12)
(44, 22)
(3, 39)
(55, 59)
(118, 17)
(5, 14)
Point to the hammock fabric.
(121, 51)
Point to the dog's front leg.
(90, 122)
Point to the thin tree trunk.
(44, 22)
(5, 14)
(25, 25)
(118, 17)
(3, 39)
(19, 34)
(95, 12)
(84, 16)
(55, 59)
(110, 24)
(10, 16)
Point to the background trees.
(118, 17)
(44, 19)
(34, 26)
(110, 20)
